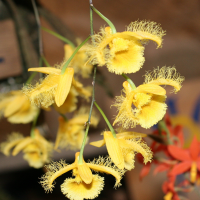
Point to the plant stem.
(106, 120)
(37, 17)
(80, 160)
(45, 61)
(104, 18)
(129, 81)
(59, 36)
(72, 56)
(34, 123)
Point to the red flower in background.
(168, 189)
(190, 159)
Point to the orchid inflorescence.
(122, 53)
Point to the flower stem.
(129, 81)
(104, 18)
(72, 56)
(59, 36)
(45, 61)
(106, 120)
(80, 160)
(34, 123)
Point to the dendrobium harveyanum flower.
(37, 150)
(85, 185)
(71, 132)
(54, 88)
(16, 107)
(122, 52)
(123, 148)
(148, 99)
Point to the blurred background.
(19, 51)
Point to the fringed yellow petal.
(126, 116)
(65, 81)
(151, 88)
(15, 105)
(12, 141)
(99, 143)
(165, 76)
(105, 165)
(74, 190)
(146, 30)
(46, 70)
(141, 147)
(54, 170)
(85, 173)
(42, 94)
(153, 112)
(125, 56)
(20, 146)
(114, 149)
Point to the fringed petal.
(105, 165)
(54, 170)
(146, 30)
(74, 190)
(165, 76)
(125, 56)
(12, 141)
(42, 94)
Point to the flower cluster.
(122, 53)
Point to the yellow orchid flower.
(148, 99)
(54, 88)
(122, 149)
(85, 185)
(122, 52)
(79, 60)
(16, 107)
(37, 150)
(71, 132)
